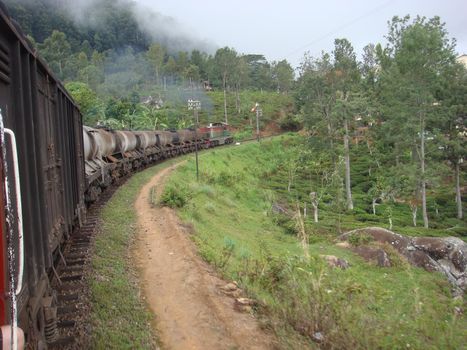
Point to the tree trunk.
(348, 190)
(373, 205)
(422, 166)
(460, 214)
(302, 234)
(237, 100)
(315, 211)
(331, 140)
(225, 98)
(390, 223)
(414, 215)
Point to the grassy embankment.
(363, 307)
(120, 319)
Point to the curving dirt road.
(181, 289)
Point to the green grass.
(119, 317)
(363, 307)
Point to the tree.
(182, 62)
(155, 56)
(91, 75)
(316, 98)
(200, 59)
(283, 75)
(369, 66)
(151, 118)
(191, 73)
(382, 189)
(90, 105)
(170, 67)
(56, 50)
(347, 77)
(225, 59)
(418, 57)
(240, 79)
(321, 168)
(260, 75)
(453, 142)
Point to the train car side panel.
(48, 130)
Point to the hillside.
(245, 223)
(103, 26)
(129, 67)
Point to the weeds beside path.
(307, 303)
(120, 319)
(181, 289)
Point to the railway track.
(71, 281)
(71, 277)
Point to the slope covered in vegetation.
(234, 213)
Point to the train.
(111, 154)
(51, 168)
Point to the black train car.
(48, 129)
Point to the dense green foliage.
(106, 25)
(235, 210)
(403, 106)
(122, 74)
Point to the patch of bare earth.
(181, 289)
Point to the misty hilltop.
(104, 24)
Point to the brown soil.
(181, 289)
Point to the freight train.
(110, 154)
(51, 166)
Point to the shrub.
(366, 217)
(226, 253)
(286, 222)
(175, 197)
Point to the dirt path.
(181, 289)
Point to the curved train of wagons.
(51, 167)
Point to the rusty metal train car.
(37, 112)
(50, 167)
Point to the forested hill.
(105, 25)
(128, 66)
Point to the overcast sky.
(287, 28)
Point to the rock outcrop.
(447, 255)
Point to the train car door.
(53, 183)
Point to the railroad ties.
(71, 329)
(71, 281)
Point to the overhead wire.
(343, 26)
